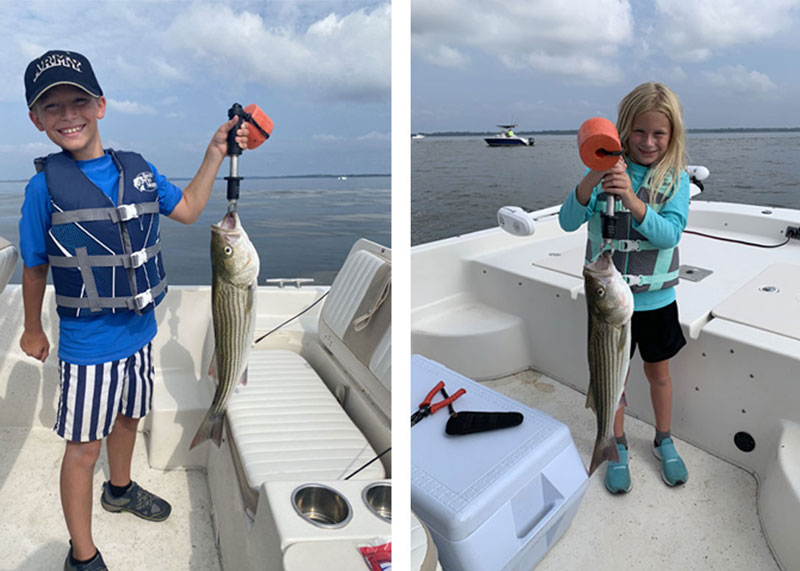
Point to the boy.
(92, 216)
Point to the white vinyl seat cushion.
(286, 425)
(8, 261)
(423, 550)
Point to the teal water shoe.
(618, 476)
(673, 470)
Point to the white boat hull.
(248, 534)
(489, 304)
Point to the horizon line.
(262, 177)
(574, 131)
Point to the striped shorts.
(92, 395)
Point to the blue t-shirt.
(90, 340)
(663, 229)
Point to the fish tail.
(210, 429)
(603, 450)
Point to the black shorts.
(657, 333)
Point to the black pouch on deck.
(470, 422)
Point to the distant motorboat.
(342, 177)
(417, 136)
(507, 138)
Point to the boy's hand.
(219, 142)
(196, 193)
(35, 344)
(34, 340)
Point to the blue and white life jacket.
(104, 258)
(644, 266)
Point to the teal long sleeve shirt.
(663, 229)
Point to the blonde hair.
(653, 96)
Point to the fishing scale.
(263, 129)
(600, 148)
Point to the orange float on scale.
(598, 143)
(256, 137)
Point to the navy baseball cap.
(58, 67)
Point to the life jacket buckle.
(127, 212)
(142, 300)
(138, 258)
(632, 280)
(627, 245)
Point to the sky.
(170, 70)
(551, 65)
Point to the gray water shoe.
(137, 501)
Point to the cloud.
(736, 79)
(337, 50)
(445, 56)
(372, 136)
(574, 39)
(338, 57)
(375, 136)
(167, 71)
(130, 107)
(29, 149)
(695, 31)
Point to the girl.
(651, 187)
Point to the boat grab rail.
(298, 282)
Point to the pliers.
(426, 408)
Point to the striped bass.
(609, 302)
(234, 271)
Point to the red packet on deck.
(378, 557)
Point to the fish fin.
(210, 429)
(624, 339)
(212, 366)
(590, 398)
(603, 450)
(243, 380)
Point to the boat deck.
(653, 527)
(35, 535)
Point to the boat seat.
(8, 261)
(355, 322)
(286, 425)
(779, 497)
(462, 328)
(424, 555)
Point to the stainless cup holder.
(378, 498)
(322, 506)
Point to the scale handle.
(233, 147)
(234, 151)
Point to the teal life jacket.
(644, 266)
(104, 258)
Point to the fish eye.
(600, 292)
(228, 250)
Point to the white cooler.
(496, 500)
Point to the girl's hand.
(586, 186)
(617, 182)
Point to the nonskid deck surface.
(711, 522)
(34, 535)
